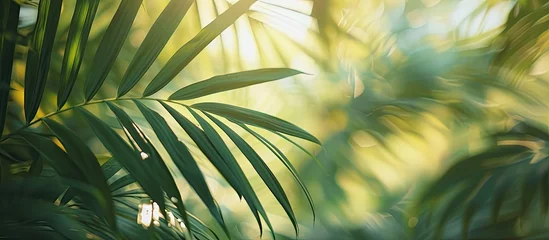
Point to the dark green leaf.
(499, 156)
(84, 159)
(260, 167)
(122, 182)
(67, 168)
(202, 142)
(110, 46)
(452, 206)
(280, 155)
(130, 159)
(8, 28)
(154, 42)
(82, 19)
(255, 118)
(110, 168)
(302, 149)
(232, 81)
(533, 178)
(215, 149)
(183, 159)
(155, 162)
(52, 215)
(544, 193)
(192, 48)
(54, 155)
(38, 58)
(36, 167)
(502, 187)
(477, 199)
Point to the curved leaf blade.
(110, 46)
(154, 162)
(232, 81)
(154, 42)
(255, 118)
(191, 49)
(280, 155)
(212, 142)
(39, 55)
(127, 157)
(302, 149)
(261, 168)
(203, 143)
(183, 159)
(86, 161)
(54, 155)
(67, 168)
(82, 19)
(8, 27)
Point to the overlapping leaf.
(154, 161)
(156, 39)
(110, 46)
(82, 19)
(128, 157)
(86, 161)
(261, 168)
(192, 48)
(8, 27)
(39, 55)
(255, 118)
(211, 144)
(183, 159)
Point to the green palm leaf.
(261, 168)
(156, 39)
(81, 23)
(154, 160)
(110, 46)
(255, 118)
(211, 144)
(38, 59)
(183, 159)
(231, 81)
(130, 159)
(87, 163)
(189, 51)
(8, 27)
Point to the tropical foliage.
(432, 115)
(55, 186)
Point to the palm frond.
(110, 206)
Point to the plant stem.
(6, 137)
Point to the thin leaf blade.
(261, 168)
(216, 145)
(192, 48)
(110, 46)
(154, 42)
(156, 162)
(282, 157)
(255, 118)
(86, 161)
(232, 81)
(82, 19)
(183, 159)
(8, 27)
(39, 55)
(128, 158)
